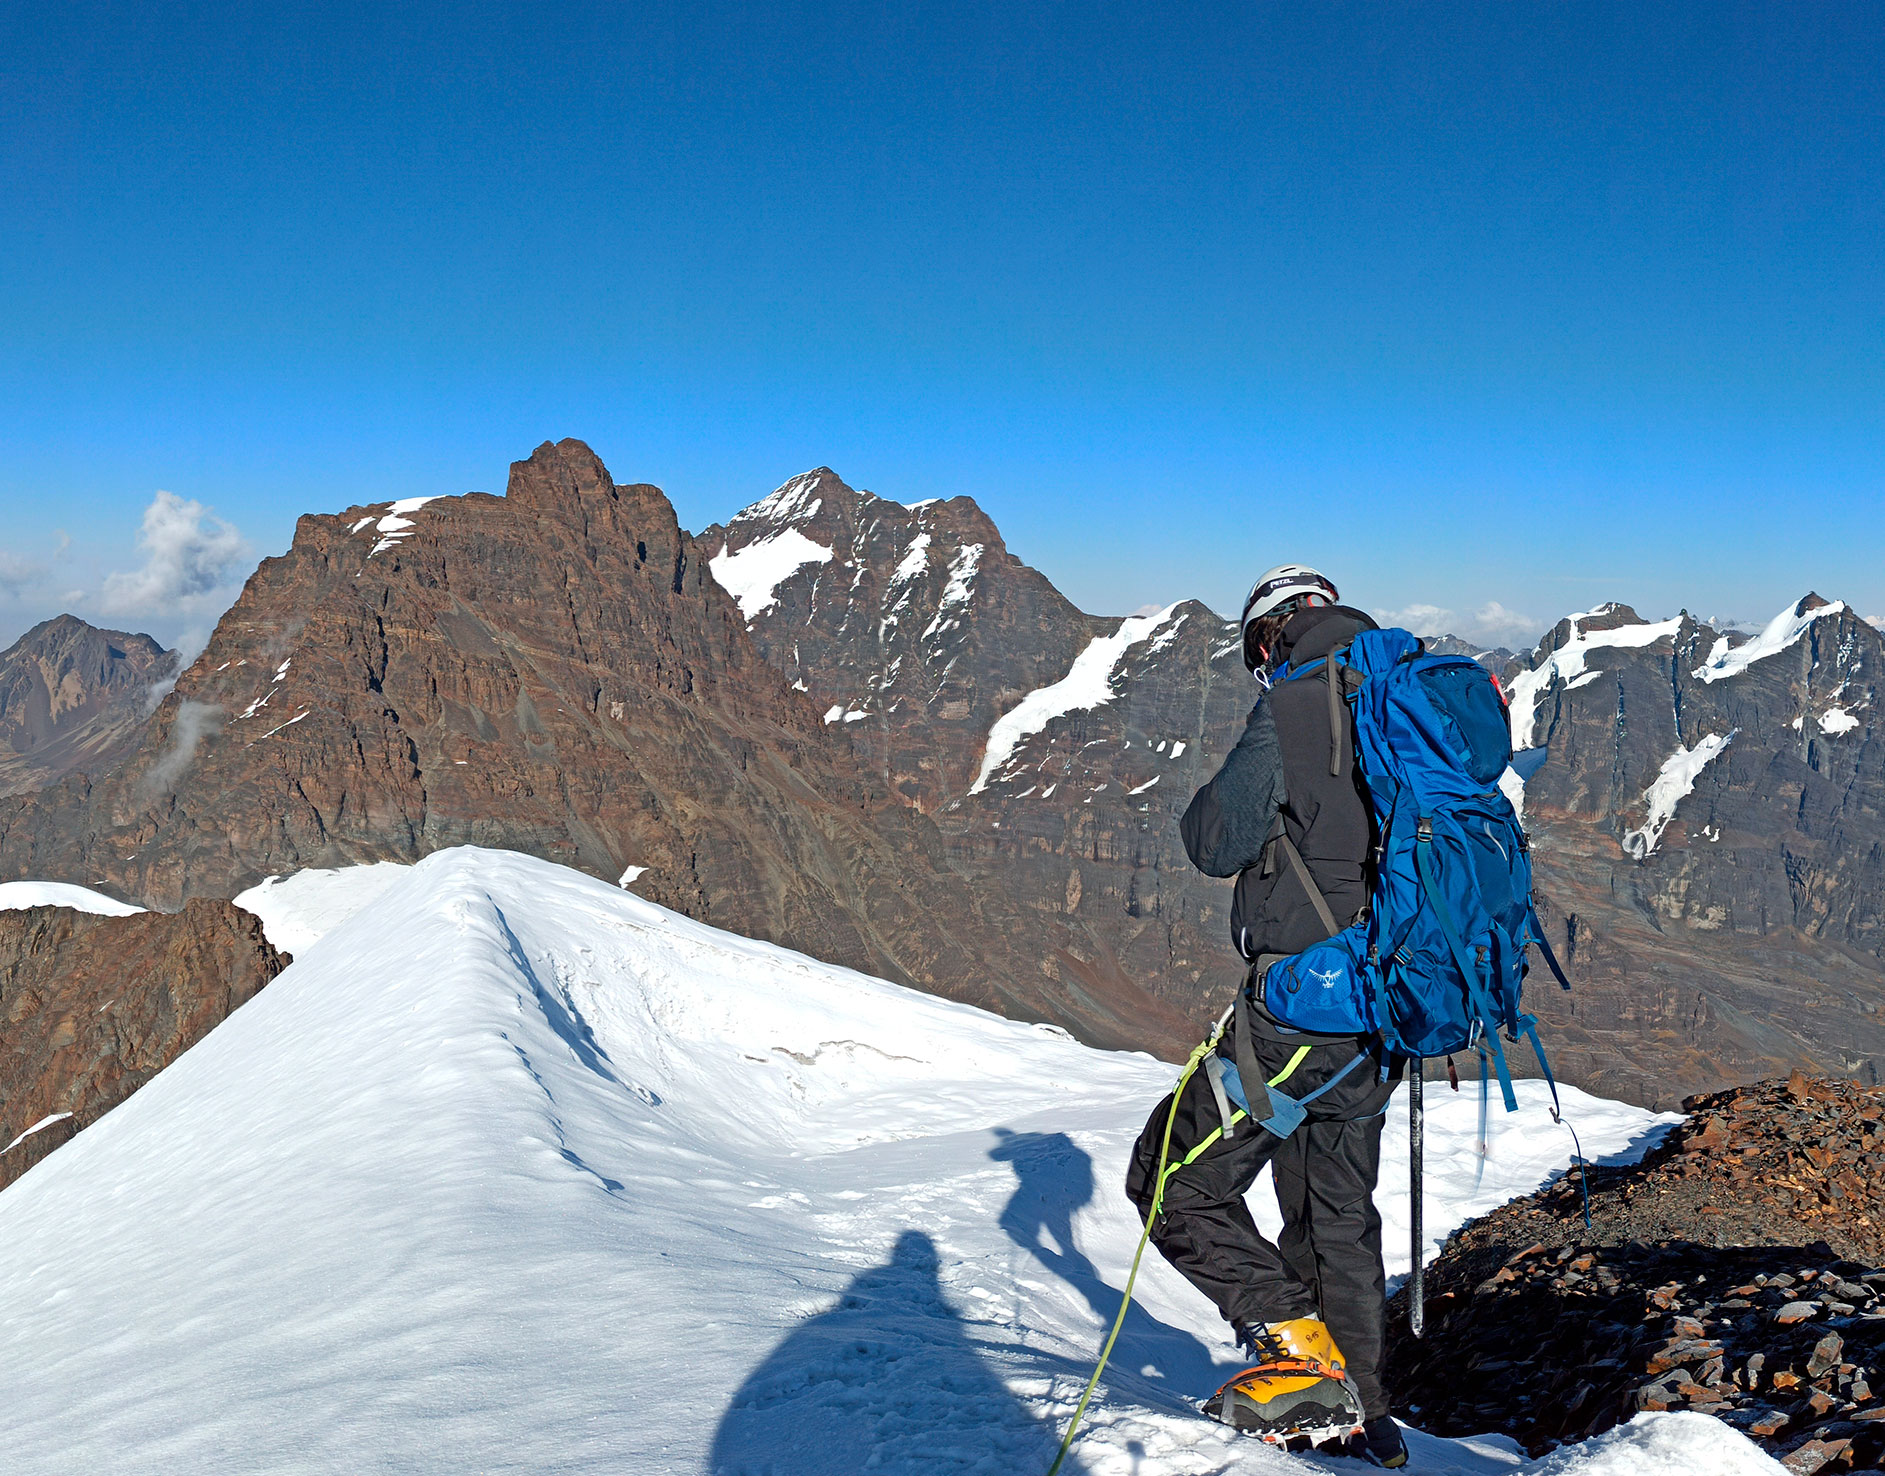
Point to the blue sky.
(1517, 306)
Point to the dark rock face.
(554, 671)
(1729, 929)
(91, 1008)
(74, 697)
(1729, 1273)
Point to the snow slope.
(1673, 784)
(296, 910)
(515, 1171)
(18, 894)
(1726, 660)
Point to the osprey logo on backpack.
(1440, 960)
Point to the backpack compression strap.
(1476, 992)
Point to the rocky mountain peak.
(912, 626)
(73, 696)
(566, 480)
(822, 506)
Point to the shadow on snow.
(887, 1381)
(1056, 1181)
(892, 1379)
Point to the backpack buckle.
(1424, 830)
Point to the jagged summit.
(909, 624)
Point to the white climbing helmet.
(1284, 583)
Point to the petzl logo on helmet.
(1284, 583)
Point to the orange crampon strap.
(1310, 1366)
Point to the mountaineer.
(1288, 816)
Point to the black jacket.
(1278, 775)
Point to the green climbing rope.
(1158, 1200)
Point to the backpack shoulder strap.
(1300, 867)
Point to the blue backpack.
(1438, 962)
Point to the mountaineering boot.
(1379, 1441)
(1296, 1387)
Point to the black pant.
(1328, 1261)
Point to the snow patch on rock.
(1836, 720)
(1676, 781)
(753, 575)
(1087, 684)
(955, 595)
(43, 1123)
(915, 561)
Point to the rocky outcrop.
(91, 1008)
(1730, 1272)
(74, 697)
(553, 671)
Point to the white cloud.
(188, 552)
(192, 722)
(1422, 620)
(19, 574)
(1492, 624)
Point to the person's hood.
(1311, 634)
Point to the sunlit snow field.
(514, 1171)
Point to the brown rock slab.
(94, 1007)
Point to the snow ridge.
(793, 502)
(396, 1212)
(1087, 684)
(1569, 664)
(1781, 632)
(18, 894)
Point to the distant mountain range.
(868, 731)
